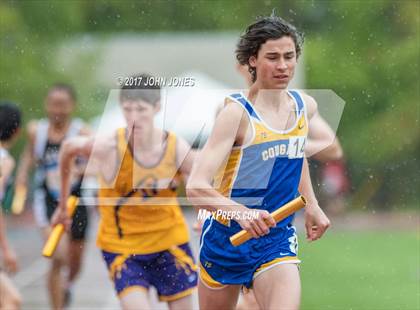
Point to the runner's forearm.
(305, 185)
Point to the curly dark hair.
(265, 28)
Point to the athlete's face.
(275, 63)
(139, 114)
(59, 105)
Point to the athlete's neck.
(271, 98)
(60, 126)
(147, 139)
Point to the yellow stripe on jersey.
(264, 134)
(153, 226)
(226, 177)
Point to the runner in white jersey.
(45, 137)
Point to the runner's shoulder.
(231, 109)
(103, 145)
(31, 129)
(311, 104)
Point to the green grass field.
(361, 270)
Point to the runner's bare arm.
(316, 222)
(185, 156)
(26, 161)
(70, 149)
(211, 157)
(6, 168)
(9, 256)
(322, 143)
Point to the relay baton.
(19, 199)
(278, 215)
(58, 230)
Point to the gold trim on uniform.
(208, 280)
(182, 259)
(177, 295)
(117, 265)
(276, 261)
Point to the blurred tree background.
(365, 51)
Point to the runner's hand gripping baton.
(278, 215)
(19, 199)
(58, 230)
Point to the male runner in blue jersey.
(255, 156)
(321, 145)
